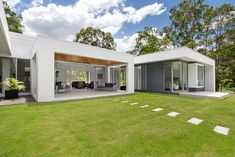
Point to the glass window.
(68, 76)
(7, 69)
(168, 76)
(23, 72)
(100, 72)
(80, 76)
(138, 77)
(123, 76)
(177, 76)
(200, 70)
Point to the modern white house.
(55, 69)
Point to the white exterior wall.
(45, 78)
(210, 78)
(34, 74)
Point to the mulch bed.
(20, 100)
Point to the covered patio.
(55, 54)
(78, 77)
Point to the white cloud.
(136, 16)
(98, 6)
(126, 43)
(64, 21)
(12, 3)
(36, 3)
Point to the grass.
(101, 127)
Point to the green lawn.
(104, 128)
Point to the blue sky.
(39, 17)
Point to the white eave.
(5, 45)
(22, 45)
(183, 53)
(74, 48)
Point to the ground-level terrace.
(79, 77)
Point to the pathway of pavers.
(144, 106)
(221, 130)
(157, 109)
(195, 121)
(125, 101)
(173, 114)
(134, 103)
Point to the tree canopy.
(188, 19)
(95, 37)
(14, 21)
(148, 41)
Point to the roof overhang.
(5, 46)
(183, 53)
(44, 46)
(86, 60)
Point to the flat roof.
(182, 53)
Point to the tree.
(170, 37)
(14, 21)
(223, 23)
(148, 41)
(226, 69)
(186, 22)
(95, 37)
(206, 31)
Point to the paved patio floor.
(204, 94)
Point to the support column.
(46, 75)
(130, 77)
(108, 74)
(210, 78)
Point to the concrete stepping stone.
(173, 114)
(157, 109)
(195, 121)
(144, 106)
(221, 130)
(124, 101)
(134, 103)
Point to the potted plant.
(122, 85)
(14, 86)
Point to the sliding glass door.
(168, 77)
(176, 76)
(140, 77)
